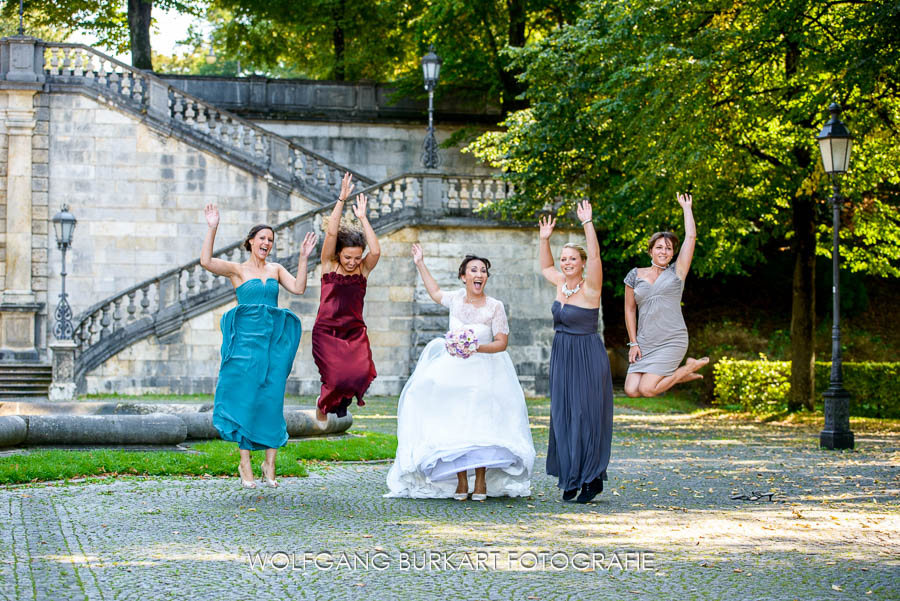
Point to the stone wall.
(378, 150)
(399, 314)
(358, 124)
(138, 195)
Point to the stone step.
(25, 380)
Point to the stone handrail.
(232, 136)
(160, 305)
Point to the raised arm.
(371, 258)
(593, 271)
(334, 223)
(209, 262)
(298, 285)
(686, 254)
(434, 291)
(548, 270)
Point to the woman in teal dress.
(259, 342)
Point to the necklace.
(568, 292)
(663, 267)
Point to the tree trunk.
(803, 312)
(339, 73)
(139, 32)
(512, 88)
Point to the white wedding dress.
(458, 414)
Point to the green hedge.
(764, 386)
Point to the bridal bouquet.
(461, 343)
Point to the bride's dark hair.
(468, 259)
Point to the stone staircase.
(24, 381)
(160, 305)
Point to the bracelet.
(633, 344)
(585, 222)
(341, 199)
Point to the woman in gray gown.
(581, 393)
(658, 337)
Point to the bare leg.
(632, 384)
(245, 469)
(462, 486)
(652, 385)
(480, 484)
(319, 415)
(268, 467)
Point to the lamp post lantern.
(835, 143)
(64, 225)
(431, 70)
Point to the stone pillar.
(63, 386)
(21, 65)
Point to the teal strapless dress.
(259, 342)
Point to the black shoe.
(590, 490)
(569, 495)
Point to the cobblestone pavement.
(665, 528)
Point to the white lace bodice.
(491, 316)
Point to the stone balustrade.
(231, 135)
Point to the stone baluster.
(105, 322)
(190, 284)
(411, 198)
(103, 73)
(321, 176)
(177, 106)
(117, 314)
(77, 69)
(145, 300)
(476, 193)
(397, 194)
(204, 280)
(464, 194)
(452, 193)
(190, 112)
(131, 308)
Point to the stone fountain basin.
(123, 423)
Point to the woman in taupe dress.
(658, 337)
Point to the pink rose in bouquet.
(461, 343)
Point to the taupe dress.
(661, 332)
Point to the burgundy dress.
(340, 344)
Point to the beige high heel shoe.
(251, 483)
(270, 482)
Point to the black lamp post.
(835, 143)
(431, 69)
(64, 224)
(21, 15)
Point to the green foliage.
(764, 386)
(55, 20)
(638, 100)
(213, 458)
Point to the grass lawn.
(213, 458)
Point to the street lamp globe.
(431, 68)
(835, 143)
(64, 224)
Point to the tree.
(638, 100)
(120, 25)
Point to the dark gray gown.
(581, 399)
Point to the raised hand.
(417, 254)
(212, 215)
(547, 224)
(308, 244)
(347, 186)
(584, 211)
(686, 201)
(360, 208)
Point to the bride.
(461, 415)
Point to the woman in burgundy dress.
(340, 344)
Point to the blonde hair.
(580, 250)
